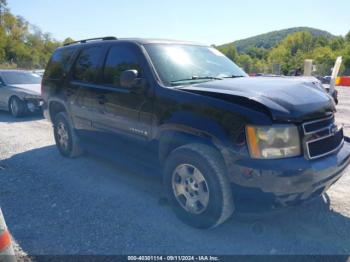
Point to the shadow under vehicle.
(68, 201)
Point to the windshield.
(20, 78)
(187, 64)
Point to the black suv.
(216, 133)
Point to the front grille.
(322, 137)
(318, 125)
(325, 145)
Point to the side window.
(88, 65)
(119, 59)
(58, 63)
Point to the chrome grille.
(322, 137)
(318, 125)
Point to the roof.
(158, 41)
(141, 41)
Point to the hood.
(287, 99)
(34, 89)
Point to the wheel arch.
(56, 107)
(171, 139)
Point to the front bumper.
(288, 181)
(33, 104)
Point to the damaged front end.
(295, 157)
(33, 103)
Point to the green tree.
(245, 62)
(345, 53)
(3, 8)
(292, 51)
(337, 43)
(255, 52)
(230, 51)
(347, 37)
(68, 40)
(324, 58)
(21, 44)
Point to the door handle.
(102, 100)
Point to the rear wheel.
(66, 139)
(197, 186)
(17, 107)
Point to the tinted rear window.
(88, 65)
(20, 78)
(59, 62)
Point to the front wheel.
(197, 186)
(67, 141)
(17, 107)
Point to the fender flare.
(55, 100)
(171, 136)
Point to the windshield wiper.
(194, 78)
(233, 76)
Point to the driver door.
(127, 111)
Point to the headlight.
(268, 142)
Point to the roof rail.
(106, 38)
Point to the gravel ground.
(343, 116)
(88, 205)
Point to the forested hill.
(272, 39)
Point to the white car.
(20, 92)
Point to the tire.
(66, 139)
(17, 107)
(216, 204)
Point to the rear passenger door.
(86, 107)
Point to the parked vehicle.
(20, 92)
(184, 107)
(39, 72)
(325, 79)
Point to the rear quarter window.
(59, 63)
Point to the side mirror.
(129, 78)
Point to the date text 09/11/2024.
(173, 258)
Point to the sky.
(208, 22)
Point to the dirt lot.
(88, 205)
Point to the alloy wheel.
(63, 135)
(14, 107)
(190, 188)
